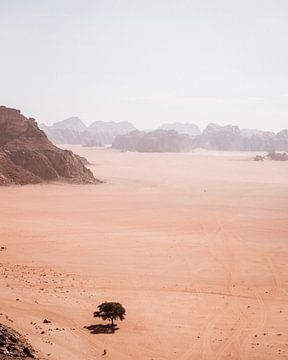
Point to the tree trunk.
(112, 321)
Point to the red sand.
(193, 245)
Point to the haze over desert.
(194, 245)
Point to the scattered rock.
(278, 156)
(259, 158)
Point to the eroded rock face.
(14, 346)
(28, 157)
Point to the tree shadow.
(102, 329)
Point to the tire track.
(227, 262)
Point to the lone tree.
(111, 311)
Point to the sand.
(193, 245)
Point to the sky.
(147, 62)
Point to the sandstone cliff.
(27, 156)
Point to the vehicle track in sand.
(220, 250)
(190, 352)
(207, 350)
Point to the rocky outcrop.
(259, 158)
(216, 137)
(74, 131)
(14, 346)
(128, 142)
(182, 128)
(154, 141)
(277, 156)
(28, 157)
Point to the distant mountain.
(217, 137)
(154, 141)
(169, 137)
(72, 123)
(214, 137)
(128, 142)
(181, 128)
(74, 131)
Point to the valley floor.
(194, 245)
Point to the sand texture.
(194, 245)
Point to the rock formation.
(128, 142)
(28, 157)
(277, 156)
(124, 136)
(154, 141)
(259, 158)
(214, 137)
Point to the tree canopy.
(111, 311)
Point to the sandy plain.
(194, 246)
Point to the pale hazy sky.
(147, 61)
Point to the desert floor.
(194, 246)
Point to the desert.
(194, 245)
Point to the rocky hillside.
(74, 131)
(14, 346)
(28, 157)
